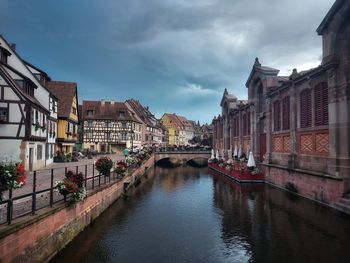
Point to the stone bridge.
(181, 157)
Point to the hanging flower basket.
(104, 165)
(12, 176)
(121, 168)
(72, 184)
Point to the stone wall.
(38, 238)
(318, 187)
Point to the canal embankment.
(37, 238)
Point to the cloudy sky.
(172, 55)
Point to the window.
(74, 110)
(285, 113)
(107, 136)
(90, 113)
(244, 120)
(122, 114)
(277, 115)
(4, 114)
(305, 108)
(123, 125)
(89, 124)
(321, 104)
(4, 53)
(39, 152)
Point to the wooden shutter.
(305, 108)
(285, 113)
(321, 104)
(277, 115)
(244, 120)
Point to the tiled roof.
(107, 111)
(65, 92)
(143, 113)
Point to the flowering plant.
(130, 160)
(121, 167)
(12, 176)
(214, 160)
(104, 165)
(72, 184)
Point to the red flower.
(21, 169)
(21, 179)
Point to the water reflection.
(187, 215)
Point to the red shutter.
(305, 108)
(321, 104)
(248, 123)
(285, 113)
(244, 120)
(277, 115)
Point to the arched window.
(277, 116)
(321, 104)
(305, 108)
(285, 113)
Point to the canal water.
(186, 214)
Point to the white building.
(24, 110)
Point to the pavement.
(43, 181)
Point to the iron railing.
(16, 206)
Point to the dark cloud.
(173, 55)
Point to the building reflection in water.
(271, 225)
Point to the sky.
(175, 56)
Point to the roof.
(329, 16)
(257, 67)
(142, 112)
(14, 85)
(107, 110)
(65, 92)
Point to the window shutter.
(248, 124)
(305, 108)
(321, 104)
(277, 115)
(244, 124)
(285, 113)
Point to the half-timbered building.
(68, 115)
(152, 133)
(298, 126)
(109, 126)
(24, 110)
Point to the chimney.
(102, 102)
(112, 102)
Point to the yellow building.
(170, 122)
(68, 115)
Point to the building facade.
(109, 126)
(25, 111)
(298, 126)
(68, 115)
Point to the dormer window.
(4, 53)
(90, 113)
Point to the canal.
(186, 214)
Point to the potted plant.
(73, 184)
(104, 165)
(121, 168)
(37, 125)
(12, 176)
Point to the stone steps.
(343, 205)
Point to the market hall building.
(298, 126)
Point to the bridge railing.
(179, 150)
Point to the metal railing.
(16, 206)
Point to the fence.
(44, 194)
